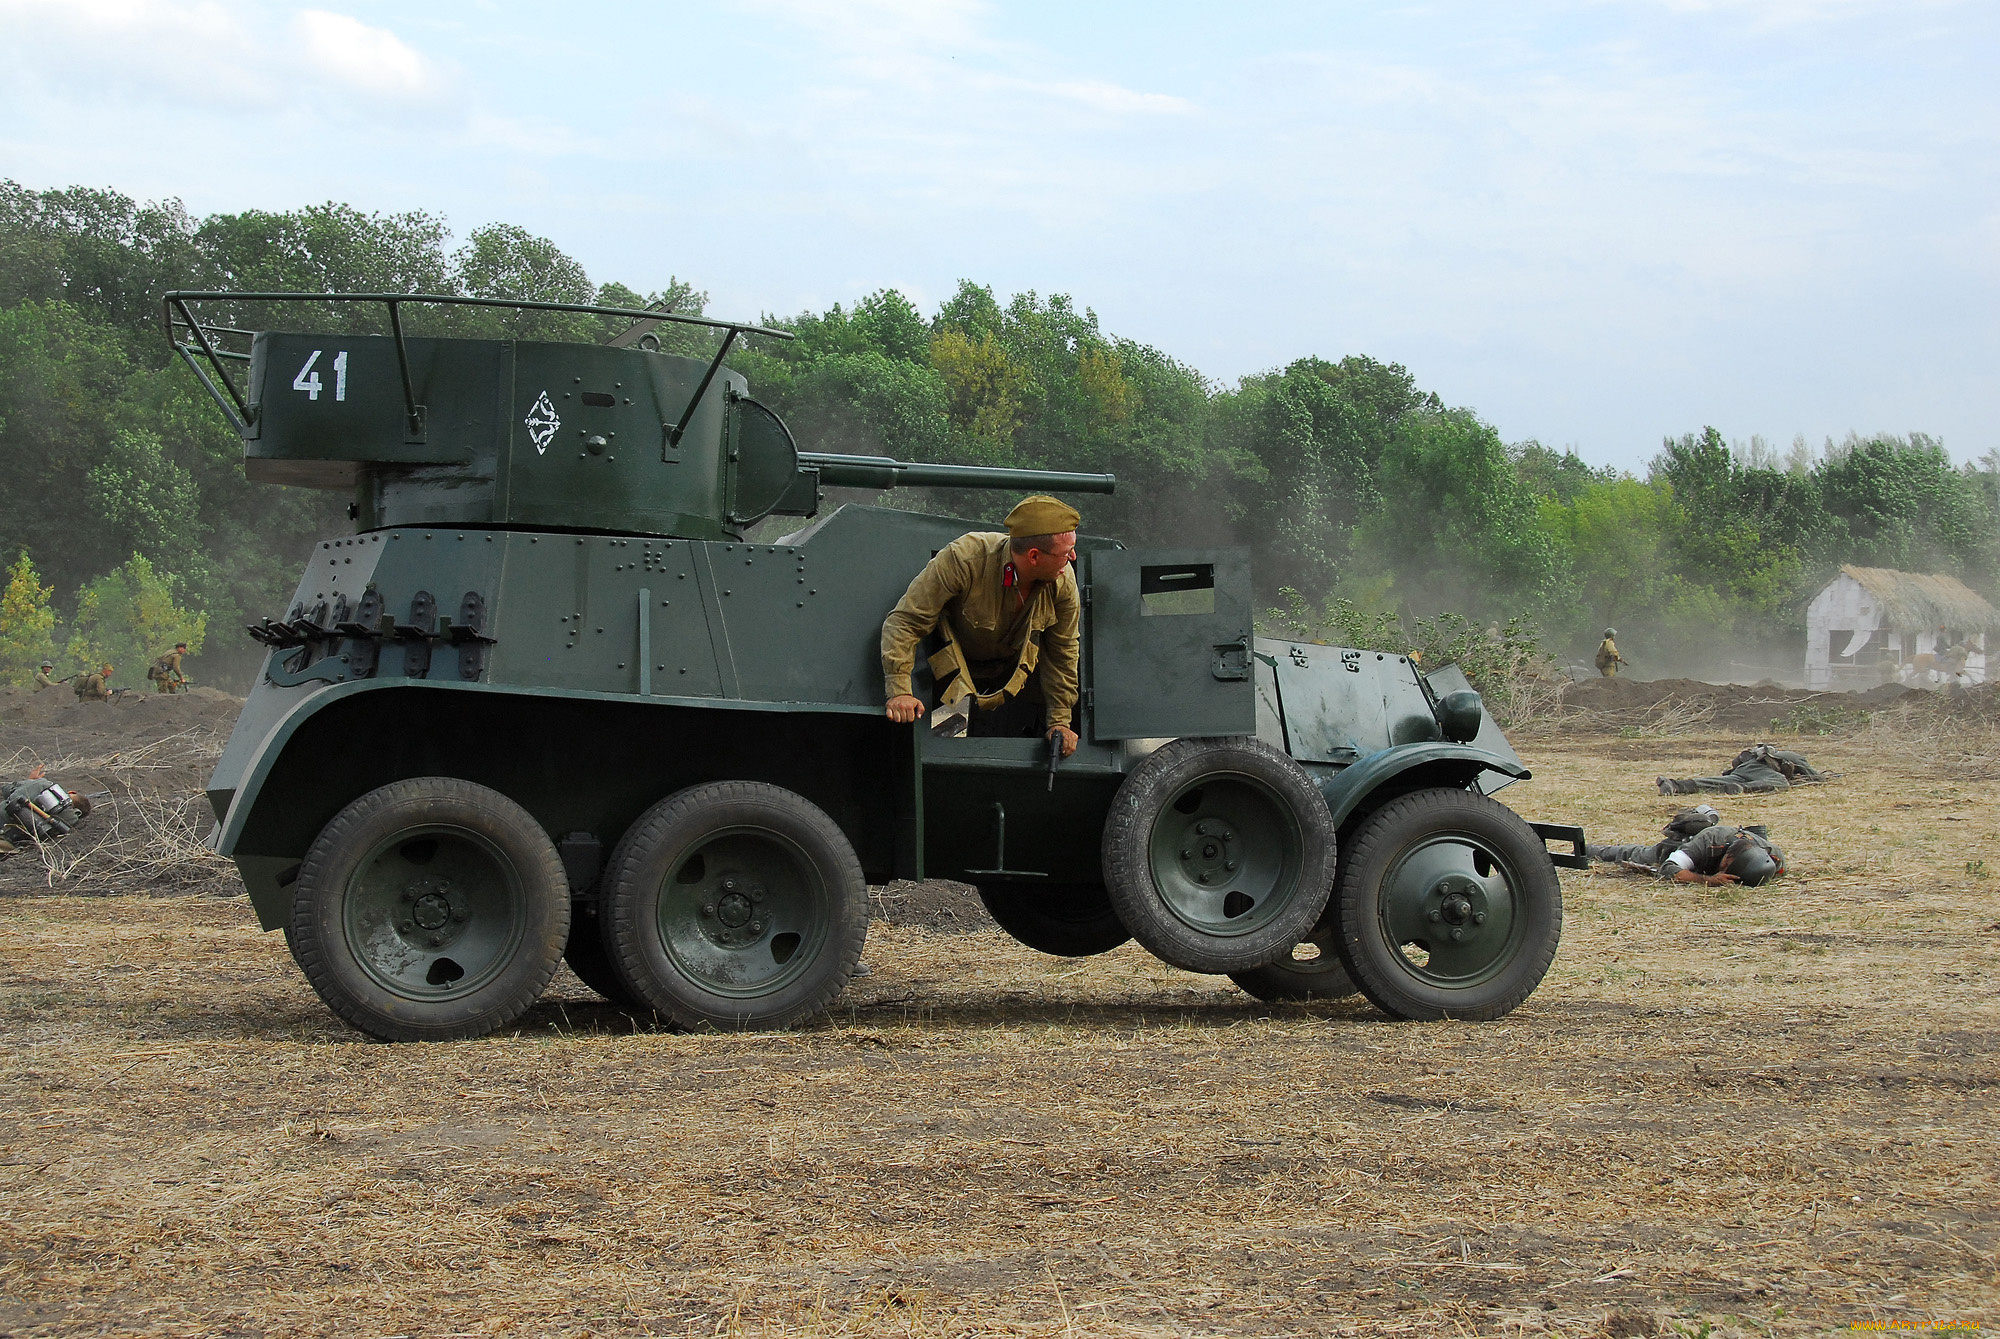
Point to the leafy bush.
(127, 617)
(27, 623)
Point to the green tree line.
(1355, 488)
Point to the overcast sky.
(1597, 222)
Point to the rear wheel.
(1218, 854)
(1070, 920)
(430, 909)
(735, 904)
(1448, 907)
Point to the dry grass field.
(1725, 1113)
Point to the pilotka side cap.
(1041, 515)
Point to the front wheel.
(735, 904)
(430, 909)
(1448, 906)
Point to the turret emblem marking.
(542, 423)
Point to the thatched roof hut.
(1870, 624)
(1913, 602)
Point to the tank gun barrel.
(882, 472)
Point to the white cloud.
(208, 54)
(373, 60)
(199, 51)
(1792, 13)
(1115, 99)
(946, 49)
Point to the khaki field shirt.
(961, 587)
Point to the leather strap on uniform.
(950, 658)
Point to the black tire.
(1218, 854)
(1070, 920)
(737, 905)
(430, 910)
(1300, 977)
(1435, 863)
(590, 957)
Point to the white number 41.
(308, 380)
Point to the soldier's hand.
(902, 710)
(1068, 738)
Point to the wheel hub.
(433, 911)
(1457, 906)
(730, 915)
(1209, 851)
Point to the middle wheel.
(735, 904)
(1218, 854)
(1070, 920)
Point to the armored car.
(567, 691)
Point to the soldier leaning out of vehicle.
(1715, 854)
(1008, 610)
(1758, 768)
(166, 671)
(95, 686)
(1608, 660)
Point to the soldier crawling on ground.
(1711, 852)
(37, 810)
(95, 686)
(1758, 768)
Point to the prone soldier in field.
(166, 671)
(1757, 769)
(37, 810)
(1714, 853)
(1678, 829)
(1009, 613)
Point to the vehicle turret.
(526, 434)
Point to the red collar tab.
(1009, 578)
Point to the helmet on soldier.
(1750, 862)
(1611, 632)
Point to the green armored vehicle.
(551, 700)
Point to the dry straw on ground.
(1726, 1112)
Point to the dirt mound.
(56, 718)
(1669, 705)
(148, 756)
(937, 905)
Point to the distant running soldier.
(1608, 659)
(95, 686)
(45, 677)
(1758, 768)
(166, 671)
